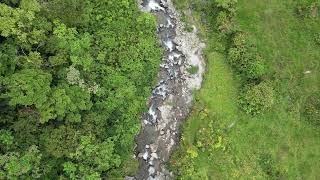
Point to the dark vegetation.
(74, 79)
(257, 115)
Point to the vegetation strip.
(254, 117)
(74, 79)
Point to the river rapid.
(171, 99)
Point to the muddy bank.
(171, 99)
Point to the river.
(171, 99)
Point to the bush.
(267, 164)
(308, 9)
(228, 5)
(311, 109)
(193, 70)
(258, 98)
(243, 56)
(317, 38)
(224, 22)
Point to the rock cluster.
(171, 98)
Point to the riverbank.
(219, 141)
(172, 97)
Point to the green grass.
(220, 86)
(193, 70)
(282, 135)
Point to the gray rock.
(154, 155)
(154, 147)
(151, 170)
(162, 132)
(129, 178)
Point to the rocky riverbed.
(171, 99)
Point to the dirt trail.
(171, 99)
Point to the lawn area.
(278, 144)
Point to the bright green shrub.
(311, 109)
(226, 4)
(25, 165)
(224, 22)
(317, 38)
(6, 138)
(307, 9)
(243, 56)
(257, 98)
(267, 164)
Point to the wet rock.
(182, 49)
(151, 178)
(154, 155)
(145, 155)
(129, 178)
(162, 132)
(171, 142)
(151, 170)
(154, 147)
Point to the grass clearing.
(278, 144)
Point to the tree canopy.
(74, 78)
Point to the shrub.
(224, 22)
(311, 109)
(243, 56)
(267, 164)
(258, 98)
(307, 9)
(317, 38)
(193, 70)
(226, 4)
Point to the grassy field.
(278, 144)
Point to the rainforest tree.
(74, 79)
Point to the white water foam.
(169, 45)
(152, 5)
(152, 113)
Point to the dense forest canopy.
(74, 79)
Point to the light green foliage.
(91, 158)
(311, 109)
(317, 38)
(224, 22)
(267, 164)
(244, 58)
(7, 58)
(308, 9)
(61, 102)
(60, 142)
(226, 4)
(8, 20)
(17, 166)
(71, 12)
(33, 60)
(74, 78)
(80, 101)
(23, 24)
(6, 138)
(193, 69)
(30, 5)
(257, 99)
(28, 87)
(280, 143)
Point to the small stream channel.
(171, 99)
